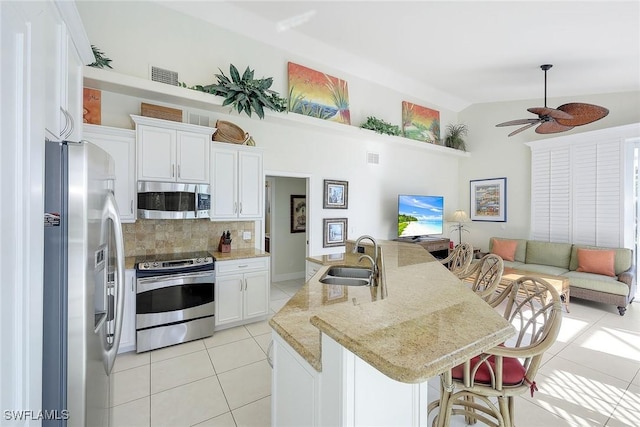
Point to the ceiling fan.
(561, 119)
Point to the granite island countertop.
(419, 322)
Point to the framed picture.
(298, 213)
(334, 231)
(336, 194)
(489, 199)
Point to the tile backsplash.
(162, 236)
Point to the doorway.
(287, 242)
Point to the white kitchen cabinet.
(128, 335)
(293, 377)
(241, 291)
(121, 145)
(172, 151)
(237, 182)
(63, 86)
(347, 392)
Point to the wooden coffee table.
(560, 283)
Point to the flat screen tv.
(420, 216)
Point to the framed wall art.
(298, 213)
(489, 199)
(316, 94)
(336, 194)
(334, 231)
(420, 123)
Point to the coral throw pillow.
(505, 249)
(596, 261)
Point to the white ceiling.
(455, 53)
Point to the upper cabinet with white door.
(121, 145)
(172, 151)
(237, 182)
(67, 43)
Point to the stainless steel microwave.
(173, 200)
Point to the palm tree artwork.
(420, 123)
(316, 94)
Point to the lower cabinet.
(347, 392)
(241, 291)
(128, 335)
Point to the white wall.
(196, 49)
(150, 34)
(493, 154)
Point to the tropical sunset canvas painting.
(420, 123)
(317, 94)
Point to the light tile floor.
(590, 377)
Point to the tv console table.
(438, 247)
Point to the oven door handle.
(151, 283)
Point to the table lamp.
(459, 216)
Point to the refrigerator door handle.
(110, 212)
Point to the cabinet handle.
(179, 171)
(66, 122)
(243, 266)
(240, 207)
(173, 170)
(71, 124)
(235, 207)
(131, 205)
(133, 279)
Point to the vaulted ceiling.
(456, 53)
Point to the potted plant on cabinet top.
(244, 93)
(454, 136)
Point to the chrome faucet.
(373, 282)
(375, 253)
(367, 237)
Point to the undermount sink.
(352, 272)
(347, 276)
(344, 281)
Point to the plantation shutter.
(577, 190)
(550, 195)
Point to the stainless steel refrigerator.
(83, 284)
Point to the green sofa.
(561, 259)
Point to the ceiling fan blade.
(582, 113)
(551, 112)
(518, 122)
(523, 128)
(552, 127)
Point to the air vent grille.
(164, 76)
(198, 119)
(373, 158)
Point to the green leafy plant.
(380, 126)
(101, 60)
(454, 136)
(244, 93)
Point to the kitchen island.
(350, 355)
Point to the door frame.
(272, 243)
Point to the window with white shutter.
(577, 187)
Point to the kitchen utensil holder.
(225, 249)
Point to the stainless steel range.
(174, 301)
